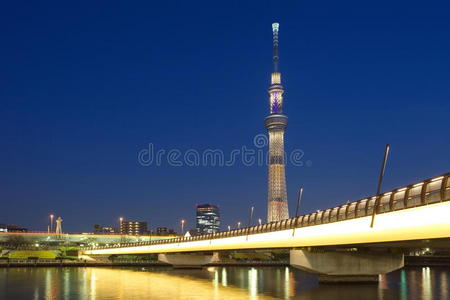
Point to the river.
(212, 283)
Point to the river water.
(212, 283)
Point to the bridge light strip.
(437, 178)
(423, 222)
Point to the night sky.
(85, 86)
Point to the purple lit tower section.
(276, 123)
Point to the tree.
(15, 241)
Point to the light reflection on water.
(212, 283)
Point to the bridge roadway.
(77, 238)
(420, 211)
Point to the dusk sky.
(85, 86)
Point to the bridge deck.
(419, 211)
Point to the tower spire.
(275, 29)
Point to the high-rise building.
(208, 218)
(133, 228)
(276, 123)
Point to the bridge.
(329, 242)
(87, 239)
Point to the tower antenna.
(275, 29)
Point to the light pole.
(380, 182)
(51, 222)
(239, 225)
(297, 209)
(250, 219)
(182, 227)
(299, 198)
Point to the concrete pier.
(348, 266)
(189, 260)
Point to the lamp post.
(250, 219)
(182, 227)
(297, 209)
(380, 182)
(299, 199)
(239, 225)
(51, 222)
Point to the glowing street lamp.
(182, 227)
(229, 227)
(250, 219)
(239, 225)
(51, 222)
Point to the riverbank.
(410, 261)
(427, 261)
(71, 263)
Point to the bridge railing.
(426, 192)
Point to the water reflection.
(444, 285)
(211, 283)
(403, 286)
(253, 283)
(66, 282)
(224, 277)
(426, 284)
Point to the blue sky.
(85, 86)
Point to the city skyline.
(86, 98)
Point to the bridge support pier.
(349, 266)
(188, 260)
(95, 258)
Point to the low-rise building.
(133, 228)
(12, 228)
(164, 231)
(104, 229)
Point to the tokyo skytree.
(276, 123)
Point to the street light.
(297, 209)
(51, 222)
(299, 198)
(229, 227)
(250, 219)
(182, 227)
(239, 225)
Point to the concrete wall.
(346, 266)
(189, 259)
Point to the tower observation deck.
(276, 123)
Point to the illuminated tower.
(58, 226)
(276, 123)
